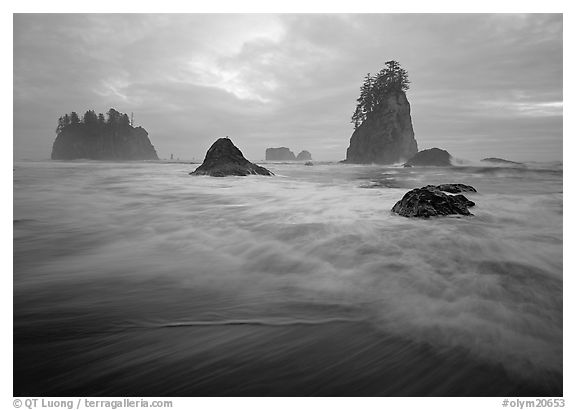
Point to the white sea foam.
(490, 285)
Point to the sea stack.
(383, 132)
(280, 154)
(224, 159)
(97, 139)
(304, 156)
(386, 135)
(433, 157)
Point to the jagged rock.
(79, 141)
(304, 156)
(431, 201)
(431, 157)
(501, 161)
(463, 200)
(386, 136)
(223, 159)
(279, 154)
(456, 188)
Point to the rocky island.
(433, 157)
(280, 154)
(285, 154)
(304, 156)
(383, 132)
(225, 159)
(94, 137)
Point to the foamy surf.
(193, 265)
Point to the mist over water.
(139, 279)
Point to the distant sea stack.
(280, 154)
(224, 159)
(304, 156)
(94, 137)
(431, 157)
(383, 131)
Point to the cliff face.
(279, 154)
(79, 141)
(386, 136)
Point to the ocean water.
(139, 279)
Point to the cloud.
(271, 80)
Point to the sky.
(482, 85)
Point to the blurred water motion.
(138, 279)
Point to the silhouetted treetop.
(375, 89)
(74, 119)
(90, 117)
(113, 116)
(63, 122)
(91, 120)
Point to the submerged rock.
(501, 161)
(431, 201)
(223, 159)
(386, 136)
(431, 157)
(279, 154)
(304, 156)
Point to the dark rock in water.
(304, 156)
(223, 159)
(279, 154)
(309, 163)
(456, 188)
(407, 166)
(431, 157)
(501, 161)
(122, 142)
(386, 136)
(430, 201)
(463, 200)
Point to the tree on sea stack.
(392, 78)
(92, 137)
(63, 122)
(74, 119)
(90, 118)
(383, 131)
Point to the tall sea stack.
(386, 135)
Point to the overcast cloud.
(482, 85)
